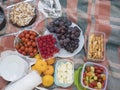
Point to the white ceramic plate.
(13, 67)
(63, 52)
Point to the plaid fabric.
(92, 15)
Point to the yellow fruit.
(41, 66)
(39, 59)
(50, 61)
(38, 56)
(49, 70)
(33, 67)
(47, 80)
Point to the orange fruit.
(47, 80)
(49, 70)
(37, 56)
(34, 68)
(41, 65)
(50, 61)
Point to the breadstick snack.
(96, 45)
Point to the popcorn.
(22, 13)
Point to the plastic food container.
(96, 46)
(97, 77)
(47, 46)
(64, 73)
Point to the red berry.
(94, 83)
(88, 69)
(90, 85)
(100, 80)
(103, 84)
(84, 75)
(98, 71)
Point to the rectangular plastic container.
(92, 64)
(58, 63)
(96, 46)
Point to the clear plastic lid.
(96, 46)
(62, 63)
(94, 64)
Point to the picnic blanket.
(90, 15)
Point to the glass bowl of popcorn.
(64, 73)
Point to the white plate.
(13, 67)
(63, 52)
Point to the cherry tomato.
(20, 44)
(98, 71)
(34, 44)
(25, 31)
(29, 43)
(35, 34)
(26, 40)
(25, 44)
(96, 67)
(21, 35)
(31, 32)
(35, 50)
(32, 37)
(30, 49)
(22, 48)
(27, 35)
(17, 46)
(23, 39)
(99, 80)
(31, 54)
(103, 84)
(102, 69)
(23, 52)
(26, 50)
(19, 50)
